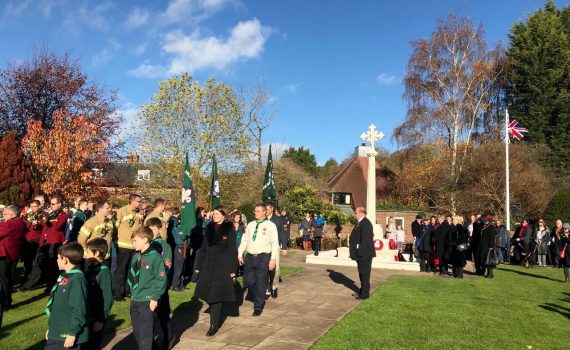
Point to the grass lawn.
(518, 309)
(25, 324)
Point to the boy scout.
(99, 291)
(147, 281)
(67, 304)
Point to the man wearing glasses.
(129, 219)
(51, 238)
(261, 243)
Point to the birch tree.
(447, 85)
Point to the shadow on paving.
(529, 274)
(340, 278)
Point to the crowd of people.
(91, 255)
(446, 241)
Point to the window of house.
(143, 175)
(341, 198)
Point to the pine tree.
(16, 185)
(539, 80)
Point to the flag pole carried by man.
(215, 185)
(515, 130)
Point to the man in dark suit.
(362, 250)
(12, 238)
(274, 274)
(442, 238)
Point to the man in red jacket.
(12, 238)
(34, 221)
(52, 237)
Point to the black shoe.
(267, 296)
(119, 298)
(274, 294)
(212, 331)
(317, 253)
(355, 294)
(256, 313)
(171, 343)
(360, 298)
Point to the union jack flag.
(516, 130)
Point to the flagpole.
(507, 183)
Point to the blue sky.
(333, 67)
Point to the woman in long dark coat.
(563, 246)
(487, 243)
(217, 265)
(459, 235)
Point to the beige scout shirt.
(156, 214)
(127, 221)
(266, 239)
(96, 227)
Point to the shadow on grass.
(5, 330)
(340, 278)
(528, 274)
(35, 298)
(564, 311)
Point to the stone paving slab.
(310, 302)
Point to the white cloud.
(96, 17)
(107, 53)
(192, 53)
(137, 18)
(140, 49)
(130, 124)
(387, 79)
(293, 87)
(147, 70)
(191, 10)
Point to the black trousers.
(44, 269)
(255, 277)
(29, 255)
(364, 268)
(95, 339)
(317, 246)
(163, 315)
(423, 258)
(7, 269)
(146, 327)
(178, 267)
(458, 271)
(120, 287)
(216, 313)
(58, 345)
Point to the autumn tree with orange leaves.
(63, 156)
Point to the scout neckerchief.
(62, 279)
(256, 227)
(134, 273)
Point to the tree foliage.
(539, 80)
(558, 207)
(16, 185)
(184, 116)
(447, 86)
(304, 199)
(63, 156)
(303, 157)
(46, 83)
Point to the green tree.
(538, 93)
(303, 157)
(559, 207)
(184, 116)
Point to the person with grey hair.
(12, 238)
(2, 207)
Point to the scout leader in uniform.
(129, 219)
(261, 243)
(147, 281)
(160, 212)
(98, 226)
(67, 304)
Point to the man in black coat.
(423, 245)
(274, 278)
(487, 244)
(362, 250)
(441, 234)
(475, 242)
(417, 227)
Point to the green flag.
(268, 192)
(215, 185)
(188, 209)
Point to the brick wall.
(407, 216)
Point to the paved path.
(310, 302)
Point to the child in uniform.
(67, 304)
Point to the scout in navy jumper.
(147, 282)
(67, 304)
(163, 309)
(99, 291)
